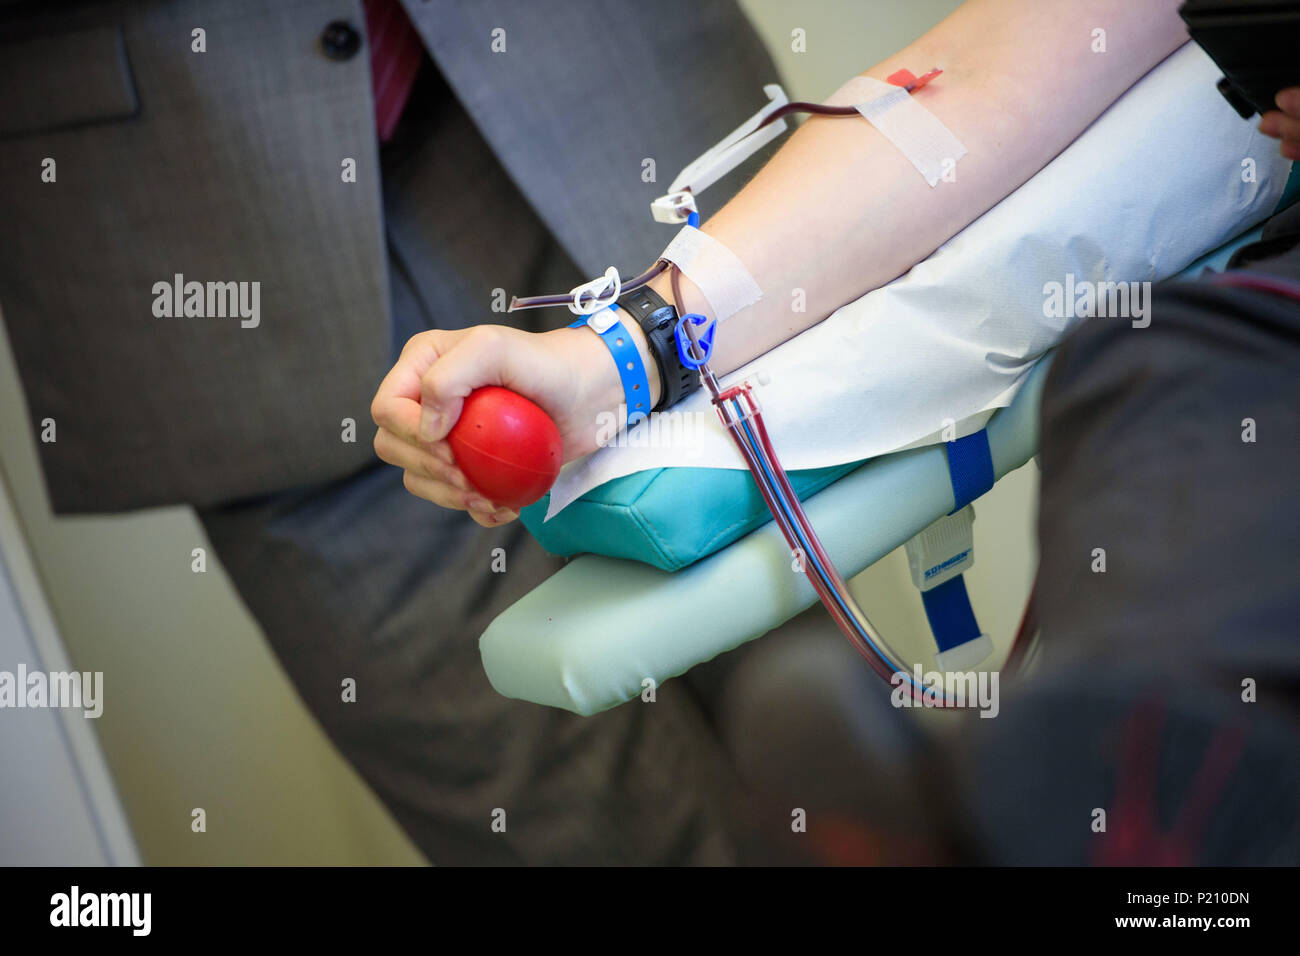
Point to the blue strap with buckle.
(631, 370)
(947, 604)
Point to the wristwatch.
(658, 320)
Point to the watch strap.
(658, 321)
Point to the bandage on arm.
(840, 210)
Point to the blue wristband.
(631, 370)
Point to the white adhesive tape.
(915, 131)
(715, 269)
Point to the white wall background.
(199, 713)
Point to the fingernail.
(475, 503)
(430, 421)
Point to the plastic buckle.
(604, 320)
(942, 551)
(603, 292)
(704, 340)
(674, 208)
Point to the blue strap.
(970, 467)
(952, 620)
(948, 608)
(631, 370)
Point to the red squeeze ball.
(508, 449)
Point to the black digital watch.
(658, 321)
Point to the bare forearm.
(839, 210)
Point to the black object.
(340, 41)
(1255, 42)
(658, 320)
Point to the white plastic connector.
(673, 209)
(603, 291)
(943, 550)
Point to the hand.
(568, 372)
(1284, 122)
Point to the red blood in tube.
(508, 449)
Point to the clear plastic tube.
(743, 418)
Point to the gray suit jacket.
(225, 166)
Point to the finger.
(486, 513)
(430, 489)
(493, 519)
(440, 493)
(1288, 101)
(414, 458)
(396, 405)
(1280, 126)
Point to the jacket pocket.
(65, 80)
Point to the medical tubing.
(831, 586)
(542, 301)
(864, 637)
(755, 447)
(819, 585)
(762, 463)
(750, 453)
(820, 582)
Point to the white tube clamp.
(599, 293)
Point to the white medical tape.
(914, 130)
(715, 269)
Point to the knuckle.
(416, 341)
(486, 337)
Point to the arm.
(837, 212)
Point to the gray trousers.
(362, 580)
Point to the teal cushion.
(667, 517)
